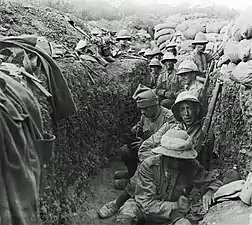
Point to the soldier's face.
(188, 112)
(158, 56)
(169, 64)
(200, 47)
(155, 69)
(149, 112)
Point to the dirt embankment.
(105, 110)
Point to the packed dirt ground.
(79, 180)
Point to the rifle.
(206, 82)
(208, 119)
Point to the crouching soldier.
(164, 182)
(152, 118)
(190, 113)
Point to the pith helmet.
(123, 34)
(148, 52)
(186, 96)
(187, 66)
(156, 51)
(176, 144)
(155, 62)
(142, 51)
(200, 38)
(96, 31)
(169, 56)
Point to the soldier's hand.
(136, 145)
(184, 203)
(208, 199)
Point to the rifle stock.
(208, 119)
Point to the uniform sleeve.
(202, 180)
(145, 195)
(152, 142)
(160, 91)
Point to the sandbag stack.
(238, 50)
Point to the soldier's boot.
(108, 210)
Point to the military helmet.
(169, 56)
(155, 62)
(148, 52)
(96, 31)
(169, 44)
(123, 34)
(187, 66)
(186, 96)
(200, 38)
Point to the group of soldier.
(164, 158)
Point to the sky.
(236, 4)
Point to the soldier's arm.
(152, 142)
(145, 193)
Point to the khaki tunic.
(168, 85)
(200, 59)
(158, 188)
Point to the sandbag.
(243, 73)
(162, 46)
(245, 51)
(163, 32)
(163, 39)
(184, 25)
(166, 25)
(213, 37)
(185, 47)
(231, 50)
(242, 28)
(191, 31)
(215, 27)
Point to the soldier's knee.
(183, 221)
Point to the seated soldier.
(153, 117)
(105, 49)
(190, 113)
(155, 67)
(168, 82)
(148, 54)
(189, 77)
(171, 47)
(164, 182)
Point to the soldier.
(198, 55)
(148, 54)
(171, 47)
(105, 49)
(152, 119)
(123, 37)
(165, 181)
(190, 113)
(141, 52)
(157, 53)
(189, 77)
(155, 67)
(168, 82)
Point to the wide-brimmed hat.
(155, 62)
(145, 97)
(169, 56)
(142, 51)
(176, 144)
(96, 31)
(200, 38)
(186, 96)
(187, 66)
